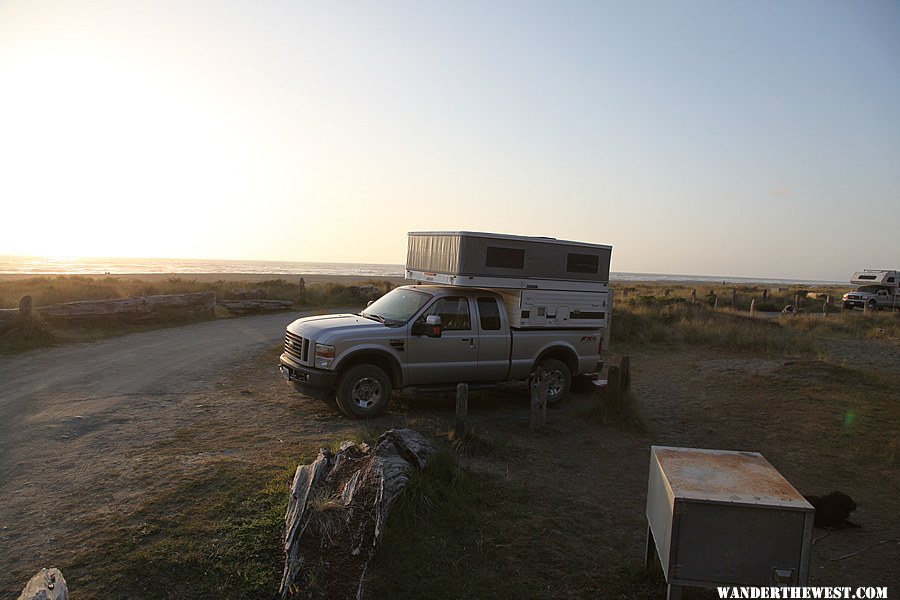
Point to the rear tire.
(363, 392)
(559, 380)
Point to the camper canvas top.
(477, 259)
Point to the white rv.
(878, 288)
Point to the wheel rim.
(555, 383)
(366, 393)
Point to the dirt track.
(75, 422)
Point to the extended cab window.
(453, 311)
(489, 314)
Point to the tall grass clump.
(643, 321)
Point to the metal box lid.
(725, 476)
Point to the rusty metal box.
(718, 517)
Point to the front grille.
(297, 347)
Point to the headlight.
(324, 356)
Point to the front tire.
(363, 391)
(559, 380)
(872, 305)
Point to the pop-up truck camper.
(876, 288)
(485, 308)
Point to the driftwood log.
(135, 308)
(338, 509)
(47, 584)
(251, 306)
(8, 318)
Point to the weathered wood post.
(865, 308)
(825, 306)
(302, 284)
(462, 410)
(613, 384)
(666, 292)
(797, 299)
(752, 307)
(25, 307)
(733, 298)
(694, 296)
(624, 293)
(625, 374)
(538, 400)
(715, 301)
(765, 294)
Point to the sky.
(756, 139)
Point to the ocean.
(42, 265)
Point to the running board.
(451, 387)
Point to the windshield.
(396, 307)
(872, 289)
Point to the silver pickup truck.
(428, 336)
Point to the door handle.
(465, 339)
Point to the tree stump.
(47, 584)
(538, 400)
(625, 374)
(462, 409)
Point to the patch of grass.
(455, 533)
(26, 334)
(215, 536)
(621, 414)
(481, 444)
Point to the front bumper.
(315, 383)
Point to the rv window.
(582, 263)
(489, 313)
(454, 313)
(505, 258)
(890, 280)
(866, 277)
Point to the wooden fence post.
(825, 306)
(797, 299)
(733, 297)
(538, 400)
(765, 294)
(613, 384)
(624, 293)
(25, 307)
(625, 374)
(752, 307)
(302, 284)
(715, 301)
(666, 292)
(694, 296)
(462, 410)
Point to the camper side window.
(453, 311)
(582, 263)
(504, 258)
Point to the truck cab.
(878, 288)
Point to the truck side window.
(489, 313)
(453, 311)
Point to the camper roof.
(507, 236)
(876, 277)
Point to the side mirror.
(370, 303)
(433, 326)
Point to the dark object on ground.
(833, 510)
(47, 584)
(790, 309)
(337, 512)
